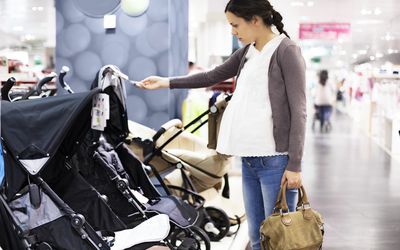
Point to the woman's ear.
(257, 20)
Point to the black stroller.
(118, 175)
(45, 203)
(33, 205)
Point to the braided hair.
(247, 9)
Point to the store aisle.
(355, 185)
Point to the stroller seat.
(204, 165)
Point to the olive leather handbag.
(214, 121)
(299, 230)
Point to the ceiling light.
(18, 28)
(372, 58)
(355, 56)
(378, 55)
(297, 3)
(366, 12)
(37, 8)
(362, 52)
(377, 11)
(310, 3)
(390, 51)
(29, 37)
(369, 21)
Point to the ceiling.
(375, 31)
(27, 22)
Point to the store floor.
(354, 184)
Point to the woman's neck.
(266, 35)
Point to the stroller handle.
(39, 85)
(64, 70)
(6, 89)
(166, 126)
(45, 80)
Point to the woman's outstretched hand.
(153, 82)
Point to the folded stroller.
(120, 178)
(188, 166)
(45, 204)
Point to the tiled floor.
(354, 184)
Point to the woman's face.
(242, 29)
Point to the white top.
(246, 126)
(325, 95)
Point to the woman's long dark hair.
(247, 9)
(323, 77)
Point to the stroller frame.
(215, 221)
(115, 132)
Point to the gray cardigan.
(286, 92)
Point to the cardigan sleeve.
(293, 72)
(205, 79)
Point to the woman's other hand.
(153, 82)
(293, 179)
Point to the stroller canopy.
(33, 131)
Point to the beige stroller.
(191, 170)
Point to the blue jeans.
(261, 178)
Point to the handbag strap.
(281, 203)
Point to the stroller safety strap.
(154, 229)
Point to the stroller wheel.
(217, 224)
(193, 238)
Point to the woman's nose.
(233, 31)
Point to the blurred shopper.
(264, 122)
(324, 98)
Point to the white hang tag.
(100, 111)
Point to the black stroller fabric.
(9, 239)
(47, 223)
(106, 167)
(50, 130)
(86, 200)
(180, 212)
(42, 120)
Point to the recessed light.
(370, 21)
(18, 28)
(366, 12)
(297, 3)
(362, 52)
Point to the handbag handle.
(281, 203)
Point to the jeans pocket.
(274, 162)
